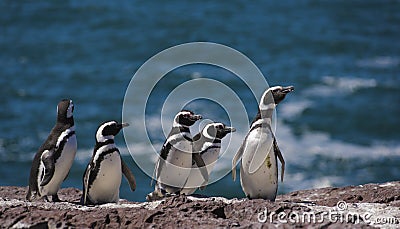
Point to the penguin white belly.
(62, 167)
(177, 167)
(105, 187)
(196, 179)
(263, 182)
(210, 159)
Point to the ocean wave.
(319, 143)
(301, 152)
(349, 84)
(138, 149)
(308, 144)
(334, 85)
(293, 109)
(379, 62)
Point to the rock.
(376, 205)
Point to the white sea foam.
(379, 62)
(334, 85)
(318, 143)
(349, 84)
(293, 109)
(83, 156)
(139, 149)
(196, 75)
(301, 151)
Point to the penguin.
(208, 144)
(175, 161)
(103, 174)
(54, 158)
(259, 150)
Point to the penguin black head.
(108, 130)
(217, 130)
(278, 93)
(65, 109)
(186, 118)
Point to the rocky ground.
(370, 205)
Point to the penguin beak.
(229, 129)
(288, 89)
(125, 124)
(196, 117)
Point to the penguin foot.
(87, 203)
(55, 198)
(46, 199)
(159, 194)
(31, 196)
(153, 196)
(203, 187)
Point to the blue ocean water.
(339, 127)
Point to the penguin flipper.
(85, 185)
(48, 161)
(128, 175)
(157, 170)
(236, 158)
(162, 158)
(201, 165)
(280, 157)
(154, 173)
(160, 162)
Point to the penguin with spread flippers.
(54, 158)
(259, 151)
(103, 174)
